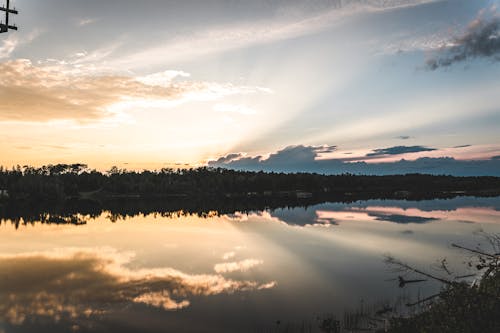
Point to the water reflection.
(482, 210)
(83, 285)
(467, 210)
(222, 272)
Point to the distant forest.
(58, 193)
(65, 181)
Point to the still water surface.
(231, 273)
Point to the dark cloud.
(300, 155)
(480, 40)
(497, 157)
(402, 219)
(304, 159)
(398, 150)
(296, 216)
(403, 137)
(228, 158)
(462, 146)
(299, 152)
(326, 149)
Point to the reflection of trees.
(55, 193)
(78, 211)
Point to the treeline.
(64, 181)
(54, 182)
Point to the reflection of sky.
(82, 284)
(230, 273)
(406, 216)
(464, 209)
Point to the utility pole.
(4, 27)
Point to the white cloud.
(58, 91)
(234, 36)
(13, 41)
(228, 255)
(161, 299)
(163, 79)
(85, 21)
(8, 46)
(409, 43)
(239, 266)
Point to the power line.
(4, 27)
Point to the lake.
(261, 271)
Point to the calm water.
(231, 273)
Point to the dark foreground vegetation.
(468, 301)
(461, 306)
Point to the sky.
(311, 85)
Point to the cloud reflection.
(82, 285)
(239, 266)
(324, 215)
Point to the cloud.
(8, 46)
(162, 79)
(85, 21)
(402, 219)
(239, 266)
(228, 255)
(403, 137)
(161, 299)
(305, 159)
(481, 39)
(325, 149)
(299, 153)
(409, 43)
(294, 21)
(80, 285)
(41, 93)
(228, 158)
(462, 146)
(398, 150)
(12, 42)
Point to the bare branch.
(475, 251)
(424, 300)
(443, 266)
(392, 261)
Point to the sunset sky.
(152, 84)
